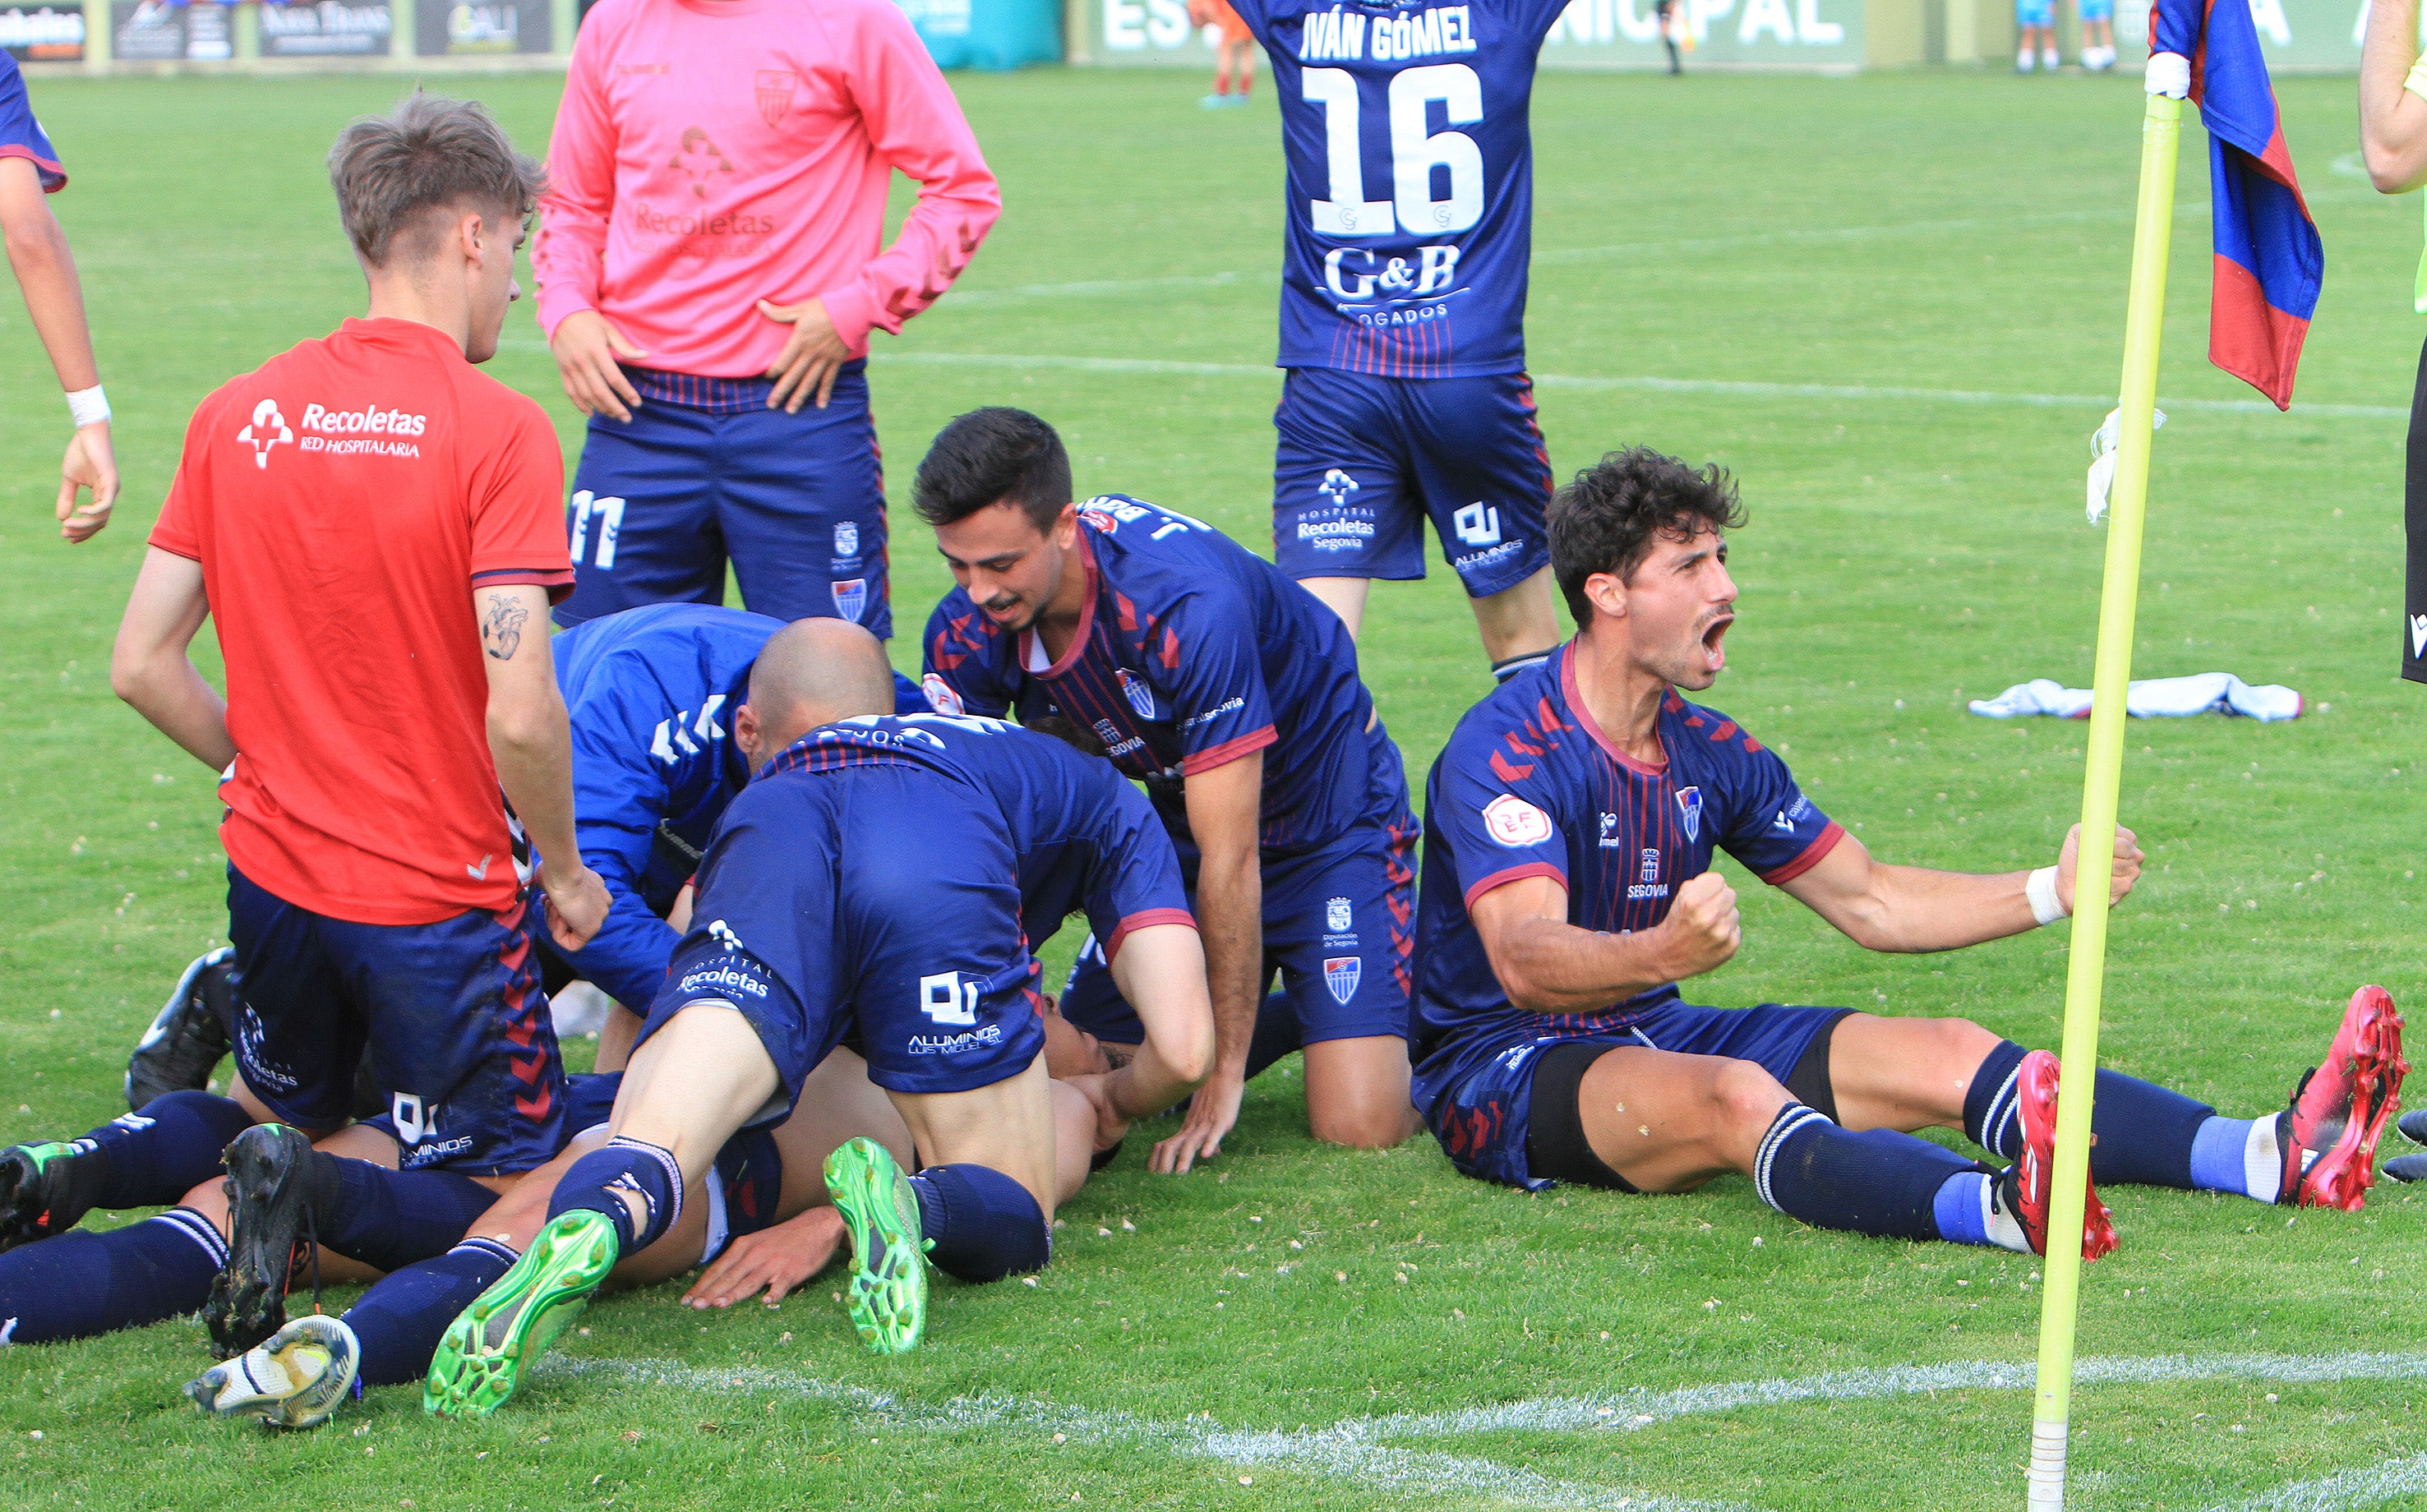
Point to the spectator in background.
(2098, 35)
(45, 270)
(1672, 27)
(1234, 54)
(2035, 19)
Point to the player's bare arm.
(1883, 908)
(589, 350)
(533, 749)
(46, 273)
(1161, 971)
(1550, 965)
(150, 667)
(2392, 120)
(1225, 811)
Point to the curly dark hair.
(1607, 517)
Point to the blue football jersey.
(21, 135)
(1086, 840)
(1528, 787)
(1410, 188)
(650, 696)
(1192, 652)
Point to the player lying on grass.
(1567, 890)
(759, 1219)
(881, 878)
(1233, 695)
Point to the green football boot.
(481, 1359)
(888, 1267)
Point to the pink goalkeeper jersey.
(710, 154)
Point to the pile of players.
(817, 891)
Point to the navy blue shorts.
(1483, 1118)
(906, 943)
(1338, 927)
(1364, 460)
(795, 501)
(450, 1014)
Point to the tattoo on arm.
(1118, 1055)
(501, 628)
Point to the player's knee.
(210, 1200)
(1743, 1096)
(1374, 1123)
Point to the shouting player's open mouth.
(1715, 655)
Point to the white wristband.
(2041, 890)
(89, 406)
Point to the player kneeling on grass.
(759, 1219)
(1567, 890)
(881, 877)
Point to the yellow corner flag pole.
(2119, 600)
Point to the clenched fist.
(1703, 929)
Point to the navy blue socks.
(599, 1180)
(154, 1158)
(2145, 1133)
(1876, 1182)
(1992, 1117)
(985, 1225)
(389, 1219)
(78, 1284)
(400, 1321)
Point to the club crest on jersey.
(1514, 822)
(1689, 809)
(1338, 916)
(850, 597)
(847, 539)
(775, 88)
(1650, 872)
(1141, 697)
(1340, 973)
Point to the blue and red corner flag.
(2269, 260)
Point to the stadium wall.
(1804, 36)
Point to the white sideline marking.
(2344, 1488)
(1372, 1465)
(1663, 385)
(1095, 286)
(1352, 1449)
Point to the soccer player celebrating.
(1209, 677)
(1403, 306)
(46, 274)
(1567, 891)
(709, 270)
(881, 879)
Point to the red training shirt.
(344, 500)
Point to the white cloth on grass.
(2219, 692)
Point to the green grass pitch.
(1913, 258)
